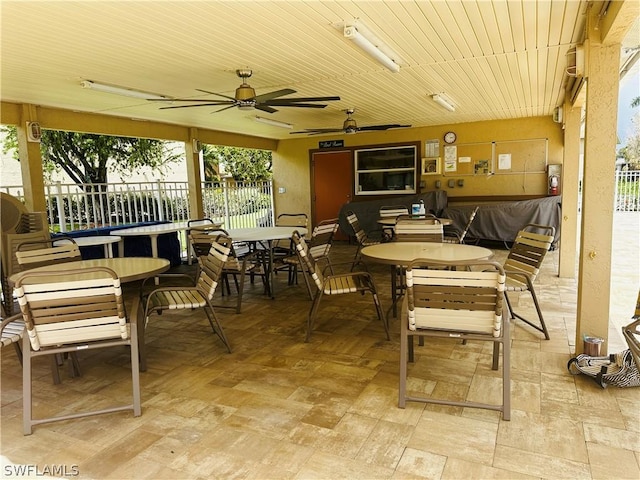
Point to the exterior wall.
(292, 170)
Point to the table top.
(263, 233)
(92, 240)
(129, 269)
(391, 221)
(403, 253)
(159, 229)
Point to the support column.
(193, 151)
(570, 188)
(594, 282)
(31, 162)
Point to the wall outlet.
(281, 190)
(452, 183)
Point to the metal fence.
(80, 207)
(627, 191)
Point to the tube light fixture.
(443, 102)
(370, 45)
(273, 123)
(127, 92)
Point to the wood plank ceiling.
(496, 59)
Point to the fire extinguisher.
(553, 185)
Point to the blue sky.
(629, 89)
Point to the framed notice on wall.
(431, 166)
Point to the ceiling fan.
(350, 126)
(246, 98)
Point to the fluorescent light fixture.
(273, 123)
(102, 87)
(443, 102)
(367, 42)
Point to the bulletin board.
(469, 157)
(499, 158)
(523, 156)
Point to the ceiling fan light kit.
(443, 101)
(127, 92)
(273, 123)
(359, 35)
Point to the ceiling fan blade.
(382, 127)
(214, 93)
(278, 93)
(277, 103)
(314, 131)
(180, 100)
(225, 108)
(265, 108)
(199, 105)
(307, 99)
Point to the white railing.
(80, 207)
(627, 191)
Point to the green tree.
(243, 164)
(631, 149)
(88, 158)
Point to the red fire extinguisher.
(553, 185)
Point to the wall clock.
(450, 137)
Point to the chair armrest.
(8, 320)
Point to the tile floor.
(279, 408)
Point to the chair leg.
(381, 315)
(312, 314)
(506, 369)
(215, 325)
(240, 289)
(543, 326)
(404, 342)
(16, 345)
(26, 386)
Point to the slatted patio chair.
(33, 254)
(319, 246)
(12, 331)
(391, 211)
(38, 253)
(337, 284)
(523, 265)
(74, 310)
(455, 303)
(198, 295)
(362, 239)
(631, 334)
(240, 262)
(418, 229)
(453, 235)
(284, 248)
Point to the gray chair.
(455, 303)
(74, 310)
(453, 235)
(319, 246)
(523, 265)
(337, 284)
(188, 297)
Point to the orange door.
(332, 183)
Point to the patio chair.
(362, 239)
(38, 253)
(418, 229)
(319, 246)
(391, 211)
(455, 303)
(71, 310)
(335, 284)
(631, 334)
(523, 265)
(12, 331)
(284, 248)
(198, 295)
(453, 235)
(240, 262)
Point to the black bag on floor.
(617, 369)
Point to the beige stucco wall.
(291, 165)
